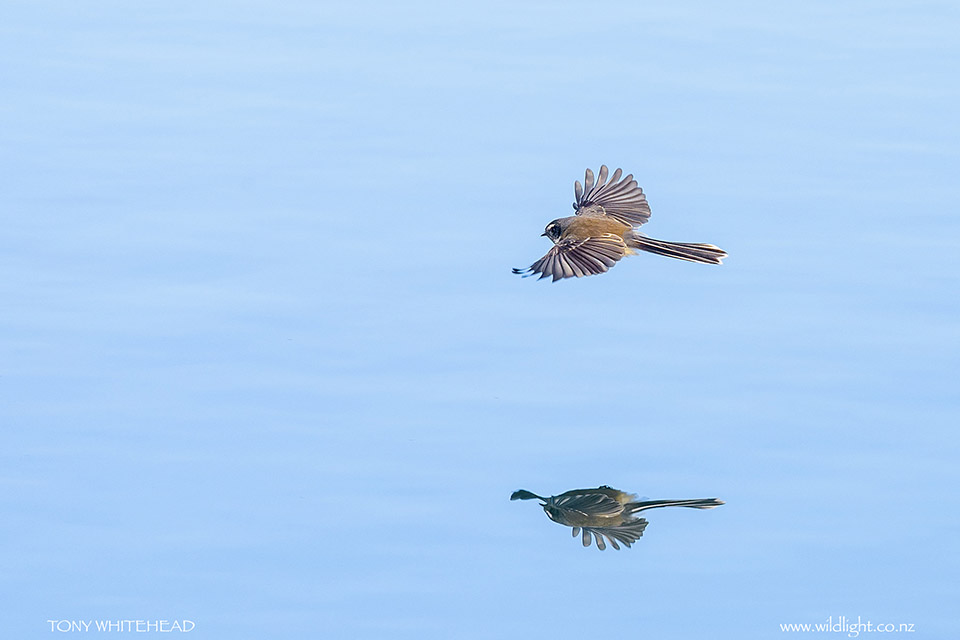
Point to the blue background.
(263, 365)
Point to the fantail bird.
(605, 512)
(604, 230)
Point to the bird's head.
(553, 513)
(553, 230)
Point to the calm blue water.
(263, 365)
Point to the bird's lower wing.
(578, 258)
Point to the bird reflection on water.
(605, 512)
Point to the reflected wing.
(620, 199)
(578, 258)
(625, 534)
(588, 504)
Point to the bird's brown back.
(583, 227)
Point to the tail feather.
(696, 503)
(694, 252)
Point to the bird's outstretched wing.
(588, 504)
(578, 258)
(622, 200)
(625, 534)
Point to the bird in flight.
(604, 230)
(605, 512)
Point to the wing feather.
(588, 504)
(577, 258)
(622, 200)
(625, 534)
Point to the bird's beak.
(543, 234)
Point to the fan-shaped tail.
(693, 252)
(696, 503)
